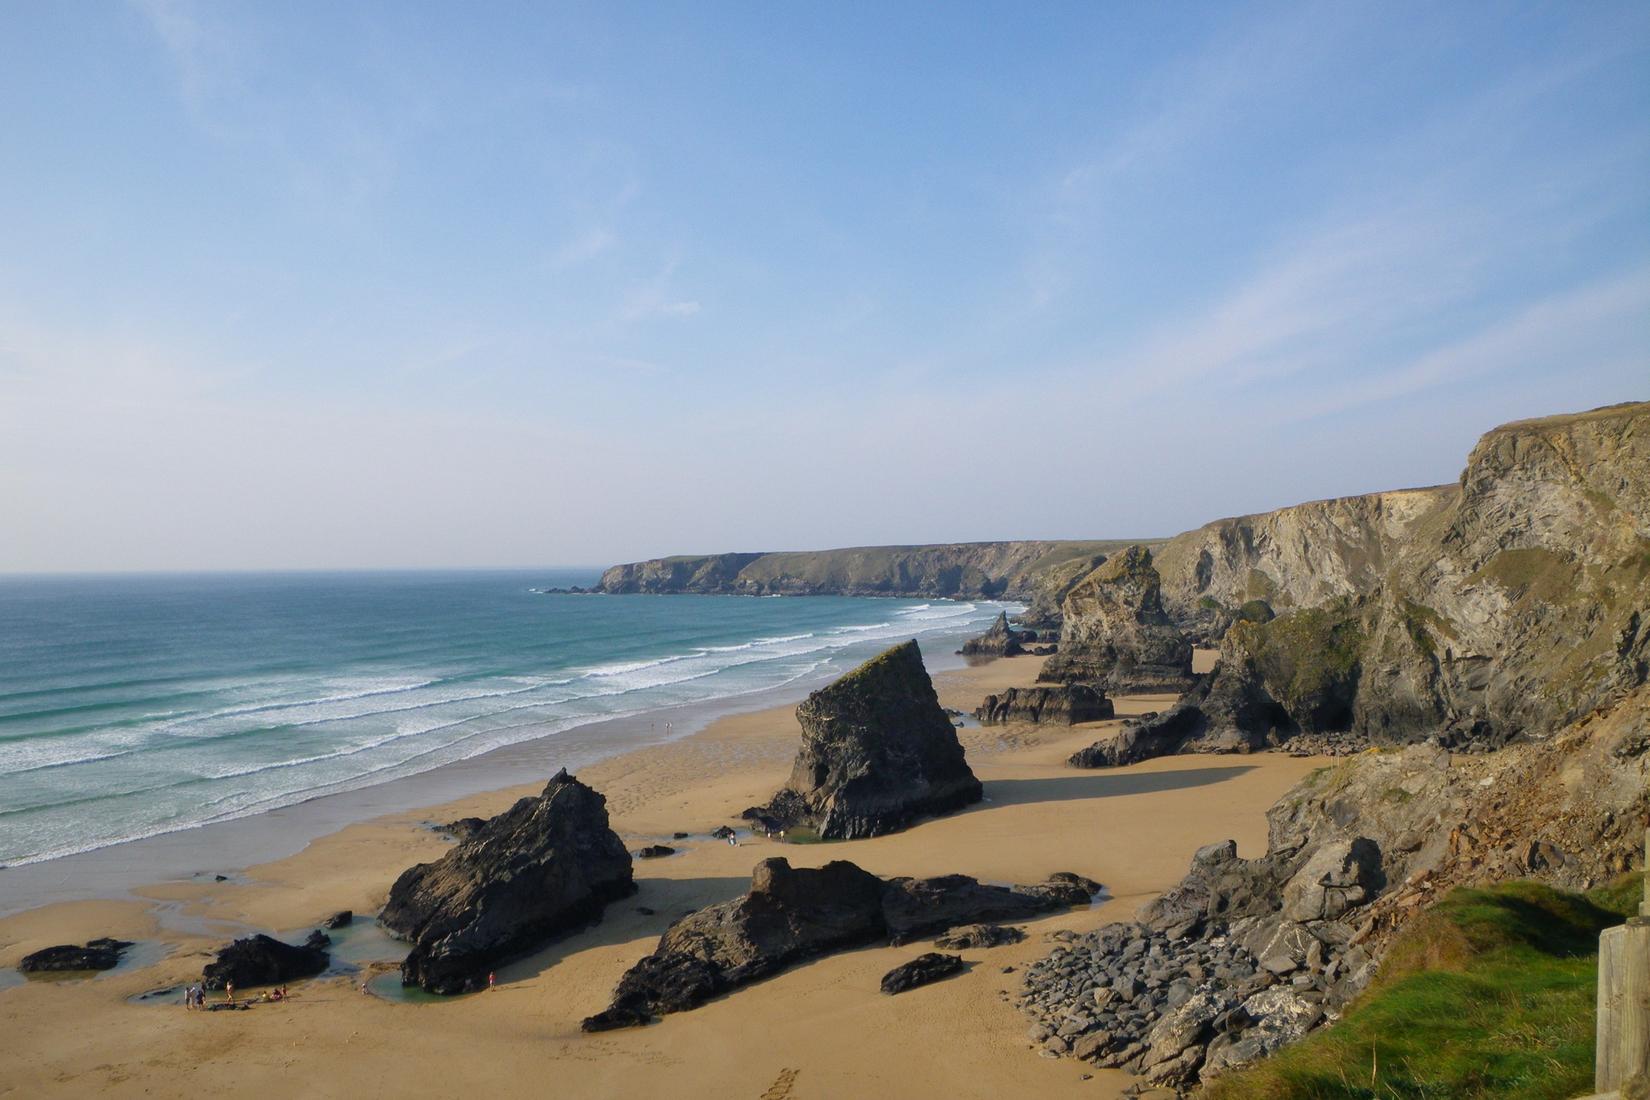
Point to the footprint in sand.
(781, 1088)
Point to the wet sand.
(820, 1030)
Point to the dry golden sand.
(820, 1030)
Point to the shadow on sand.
(1010, 792)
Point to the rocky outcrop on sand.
(546, 866)
(1000, 641)
(1116, 633)
(971, 570)
(921, 970)
(878, 752)
(263, 960)
(791, 914)
(99, 954)
(979, 935)
(1247, 954)
(1066, 705)
(1512, 606)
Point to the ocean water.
(134, 706)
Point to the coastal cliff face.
(1511, 606)
(1300, 556)
(975, 570)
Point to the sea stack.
(999, 641)
(546, 866)
(878, 752)
(1115, 632)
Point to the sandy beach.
(820, 1030)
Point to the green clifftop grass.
(1491, 993)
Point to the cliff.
(964, 570)
(1507, 606)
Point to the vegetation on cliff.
(1491, 993)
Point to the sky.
(316, 285)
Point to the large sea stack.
(546, 866)
(877, 753)
(1116, 634)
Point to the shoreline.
(220, 847)
(1132, 829)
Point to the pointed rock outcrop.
(546, 866)
(999, 641)
(1115, 632)
(878, 752)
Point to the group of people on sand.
(195, 996)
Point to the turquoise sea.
(133, 706)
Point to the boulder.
(1066, 704)
(339, 919)
(791, 914)
(878, 752)
(262, 960)
(979, 935)
(920, 971)
(999, 641)
(655, 851)
(1338, 877)
(99, 954)
(546, 866)
(1116, 633)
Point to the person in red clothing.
(491, 978)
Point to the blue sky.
(315, 285)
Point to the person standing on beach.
(229, 991)
(492, 978)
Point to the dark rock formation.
(546, 866)
(340, 919)
(464, 828)
(262, 960)
(317, 940)
(791, 914)
(655, 851)
(723, 832)
(999, 641)
(979, 935)
(99, 954)
(921, 971)
(877, 753)
(1117, 634)
(1066, 704)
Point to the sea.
(137, 706)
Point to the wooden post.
(1624, 1001)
